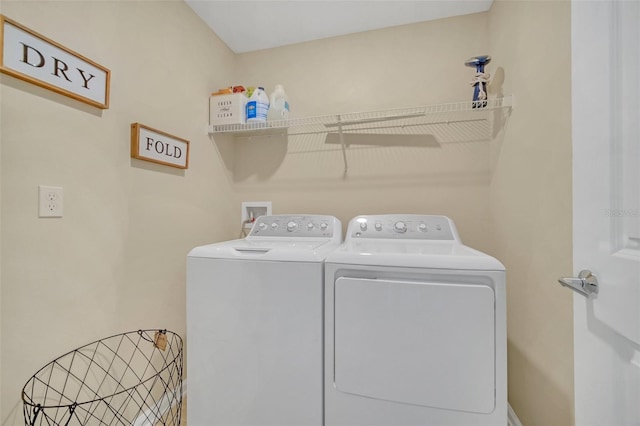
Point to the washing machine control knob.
(274, 226)
(378, 226)
(310, 226)
(400, 227)
(323, 226)
(363, 226)
(422, 227)
(292, 226)
(263, 226)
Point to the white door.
(606, 203)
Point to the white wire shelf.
(446, 113)
(451, 122)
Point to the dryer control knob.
(323, 226)
(400, 227)
(363, 226)
(378, 226)
(274, 226)
(263, 226)
(422, 227)
(310, 226)
(291, 226)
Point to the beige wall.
(116, 260)
(531, 204)
(1, 339)
(119, 251)
(398, 67)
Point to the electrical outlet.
(50, 201)
(251, 210)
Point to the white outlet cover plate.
(50, 201)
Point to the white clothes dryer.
(415, 327)
(255, 324)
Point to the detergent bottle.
(257, 106)
(279, 104)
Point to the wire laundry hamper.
(133, 378)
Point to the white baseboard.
(513, 418)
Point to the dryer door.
(424, 343)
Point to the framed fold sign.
(158, 147)
(34, 58)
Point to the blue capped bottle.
(278, 105)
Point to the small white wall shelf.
(457, 121)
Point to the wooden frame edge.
(43, 84)
(135, 145)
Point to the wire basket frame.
(133, 378)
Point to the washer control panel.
(403, 226)
(295, 226)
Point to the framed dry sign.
(158, 147)
(32, 57)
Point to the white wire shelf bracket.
(479, 116)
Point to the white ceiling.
(247, 25)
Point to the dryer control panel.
(292, 226)
(403, 226)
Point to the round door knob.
(291, 226)
(400, 227)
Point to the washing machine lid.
(410, 241)
(293, 251)
(413, 254)
(293, 238)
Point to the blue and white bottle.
(257, 106)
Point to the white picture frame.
(159, 147)
(38, 60)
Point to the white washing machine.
(255, 324)
(415, 327)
